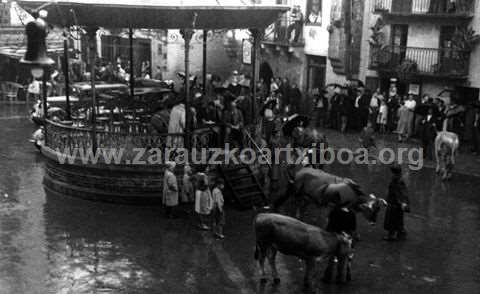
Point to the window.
(399, 43)
(4, 13)
(316, 72)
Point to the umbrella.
(422, 109)
(56, 111)
(181, 75)
(358, 82)
(292, 122)
(333, 85)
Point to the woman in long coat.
(170, 189)
(406, 116)
(176, 125)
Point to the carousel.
(110, 119)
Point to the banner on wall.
(247, 51)
(315, 31)
(316, 40)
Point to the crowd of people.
(346, 108)
(355, 108)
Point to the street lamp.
(36, 56)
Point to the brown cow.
(276, 232)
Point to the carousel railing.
(253, 145)
(60, 137)
(132, 146)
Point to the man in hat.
(397, 204)
(170, 189)
(177, 124)
(295, 98)
(234, 86)
(321, 106)
(429, 132)
(233, 119)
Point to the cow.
(446, 147)
(307, 184)
(276, 232)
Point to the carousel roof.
(159, 14)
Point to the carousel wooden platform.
(122, 181)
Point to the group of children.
(209, 201)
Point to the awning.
(159, 14)
(19, 52)
(13, 42)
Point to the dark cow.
(276, 232)
(309, 185)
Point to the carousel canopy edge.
(158, 14)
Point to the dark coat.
(295, 97)
(340, 220)
(429, 130)
(397, 194)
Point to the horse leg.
(437, 150)
(454, 153)
(309, 270)
(272, 254)
(261, 262)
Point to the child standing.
(187, 189)
(397, 204)
(383, 116)
(367, 136)
(203, 200)
(218, 211)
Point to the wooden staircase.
(245, 189)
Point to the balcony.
(286, 31)
(402, 11)
(414, 61)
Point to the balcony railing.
(446, 62)
(285, 31)
(424, 7)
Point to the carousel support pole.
(205, 34)
(132, 78)
(187, 36)
(67, 75)
(45, 97)
(92, 42)
(255, 67)
(45, 93)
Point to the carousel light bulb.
(230, 34)
(37, 72)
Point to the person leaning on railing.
(296, 25)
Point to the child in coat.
(203, 200)
(397, 204)
(187, 189)
(218, 208)
(367, 136)
(383, 117)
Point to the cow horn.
(373, 196)
(383, 201)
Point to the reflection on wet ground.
(53, 244)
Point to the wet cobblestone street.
(54, 244)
